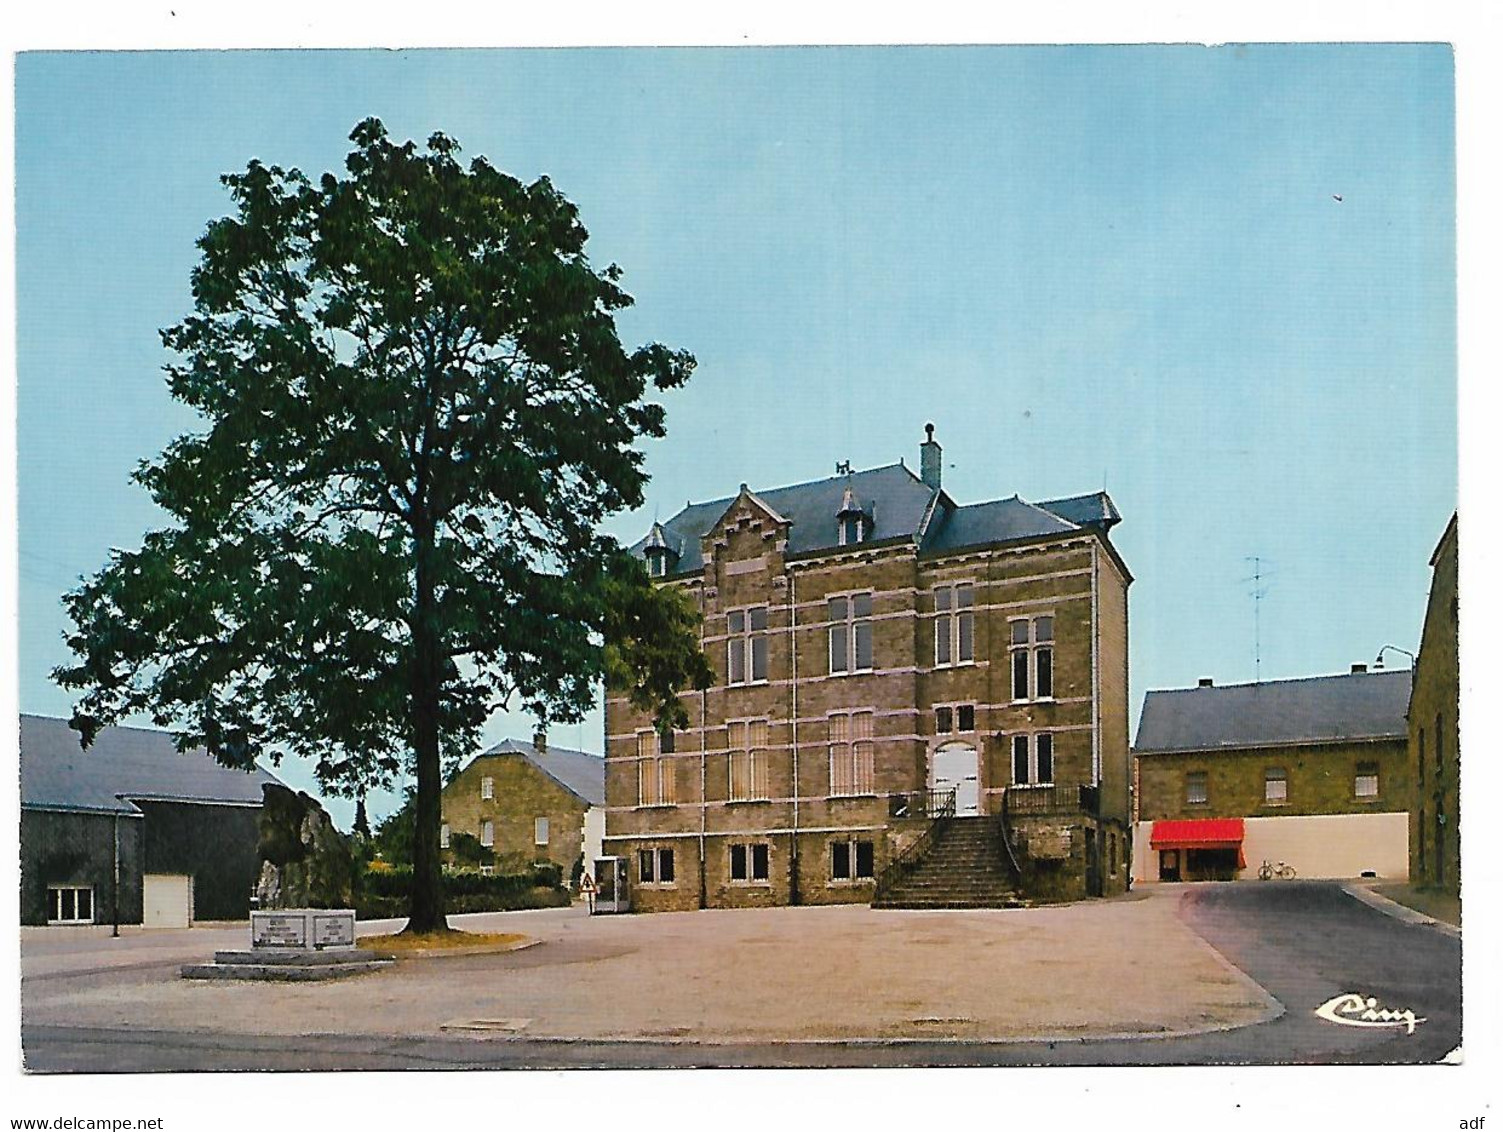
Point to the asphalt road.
(1304, 942)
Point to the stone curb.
(1398, 911)
(475, 949)
(1043, 1038)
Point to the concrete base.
(276, 966)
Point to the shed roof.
(123, 763)
(1318, 709)
(579, 772)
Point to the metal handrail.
(1053, 798)
(1006, 832)
(910, 857)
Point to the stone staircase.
(965, 867)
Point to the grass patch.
(404, 943)
(1435, 903)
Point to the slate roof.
(1095, 509)
(1319, 709)
(896, 501)
(579, 772)
(123, 763)
(1005, 520)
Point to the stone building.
(132, 830)
(517, 803)
(881, 651)
(1313, 773)
(1434, 730)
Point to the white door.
(166, 901)
(955, 767)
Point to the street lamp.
(1378, 662)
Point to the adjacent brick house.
(517, 803)
(1311, 772)
(132, 830)
(1434, 730)
(877, 647)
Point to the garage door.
(167, 901)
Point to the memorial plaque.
(336, 930)
(279, 929)
(306, 928)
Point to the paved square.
(1103, 968)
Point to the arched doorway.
(956, 766)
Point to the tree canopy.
(417, 412)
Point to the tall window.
(852, 529)
(654, 769)
(1033, 658)
(749, 862)
(1196, 788)
(748, 760)
(851, 633)
(540, 831)
(487, 787)
(954, 625)
(746, 650)
(655, 866)
(1365, 783)
(1275, 786)
(852, 860)
(1033, 759)
(443, 836)
(487, 833)
(852, 753)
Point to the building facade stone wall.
(1434, 753)
(1319, 779)
(520, 795)
(801, 817)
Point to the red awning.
(1199, 833)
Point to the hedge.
(385, 894)
(395, 907)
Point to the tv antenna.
(1259, 591)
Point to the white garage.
(167, 900)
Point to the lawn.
(1435, 903)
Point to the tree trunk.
(426, 913)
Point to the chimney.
(540, 740)
(1356, 668)
(1207, 682)
(929, 453)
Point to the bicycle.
(1270, 871)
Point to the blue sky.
(1111, 266)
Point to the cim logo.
(1357, 1010)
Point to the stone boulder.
(305, 861)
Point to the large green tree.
(416, 412)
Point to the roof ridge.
(729, 499)
(1073, 498)
(523, 747)
(1282, 680)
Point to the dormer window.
(659, 552)
(852, 520)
